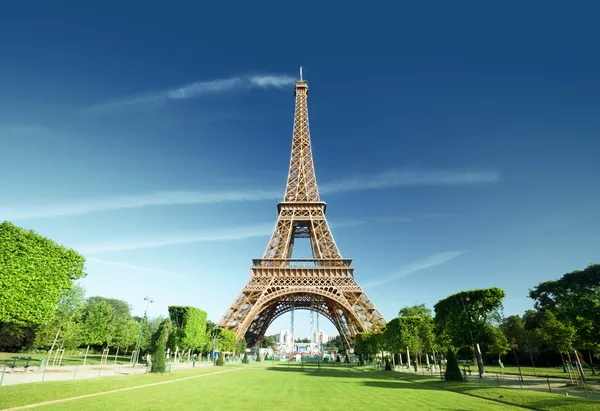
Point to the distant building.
(321, 337)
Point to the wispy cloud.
(397, 178)
(428, 262)
(228, 234)
(225, 234)
(388, 179)
(203, 88)
(134, 267)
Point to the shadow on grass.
(385, 379)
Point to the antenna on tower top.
(300, 73)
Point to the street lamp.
(149, 301)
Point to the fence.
(41, 372)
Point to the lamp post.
(149, 301)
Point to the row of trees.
(41, 307)
(565, 321)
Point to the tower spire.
(302, 183)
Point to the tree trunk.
(591, 362)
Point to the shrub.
(338, 359)
(452, 369)
(245, 359)
(347, 359)
(158, 359)
(258, 357)
(220, 360)
(388, 364)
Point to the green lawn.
(273, 386)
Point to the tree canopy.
(189, 327)
(34, 273)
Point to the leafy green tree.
(220, 360)
(466, 316)
(226, 340)
(150, 327)
(64, 326)
(574, 299)
(161, 338)
(268, 341)
(415, 311)
(258, 357)
(35, 272)
(245, 359)
(189, 328)
(97, 324)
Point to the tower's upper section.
(302, 183)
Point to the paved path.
(19, 375)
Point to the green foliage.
(467, 313)
(452, 369)
(220, 360)
(159, 356)
(34, 273)
(414, 332)
(559, 335)
(226, 340)
(415, 311)
(368, 344)
(189, 328)
(258, 357)
(268, 341)
(245, 359)
(97, 323)
(65, 322)
(574, 299)
(334, 345)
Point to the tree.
(258, 356)
(226, 340)
(220, 360)
(97, 325)
(35, 273)
(268, 341)
(161, 338)
(189, 328)
(574, 299)
(465, 317)
(415, 311)
(245, 359)
(452, 369)
(65, 322)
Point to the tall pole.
(149, 301)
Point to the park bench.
(20, 358)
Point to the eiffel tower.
(279, 284)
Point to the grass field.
(270, 386)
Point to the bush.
(361, 360)
(452, 369)
(220, 360)
(326, 359)
(347, 359)
(245, 359)
(388, 364)
(158, 359)
(338, 359)
(258, 357)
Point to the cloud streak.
(202, 88)
(134, 267)
(428, 262)
(226, 234)
(387, 179)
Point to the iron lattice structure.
(278, 283)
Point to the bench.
(20, 358)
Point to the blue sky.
(456, 145)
